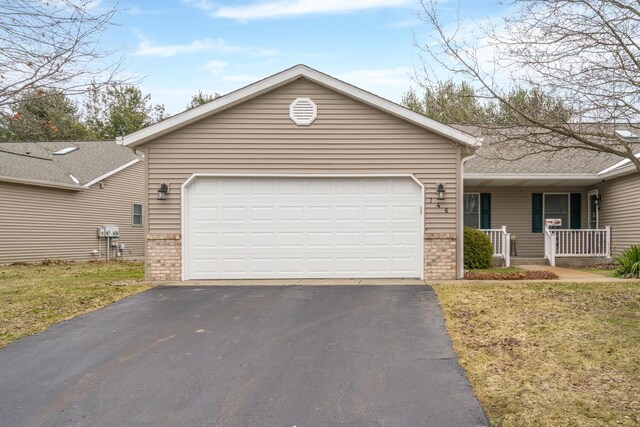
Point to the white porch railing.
(501, 242)
(576, 243)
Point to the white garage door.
(241, 228)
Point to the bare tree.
(53, 47)
(584, 53)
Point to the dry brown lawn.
(549, 354)
(34, 297)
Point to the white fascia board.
(511, 176)
(41, 183)
(617, 165)
(108, 174)
(282, 78)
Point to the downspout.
(460, 219)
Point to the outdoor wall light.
(596, 202)
(162, 191)
(440, 191)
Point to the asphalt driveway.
(244, 356)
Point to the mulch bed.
(525, 275)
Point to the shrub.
(629, 263)
(478, 251)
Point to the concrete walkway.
(295, 282)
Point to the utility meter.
(111, 231)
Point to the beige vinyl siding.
(620, 208)
(511, 206)
(348, 137)
(38, 223)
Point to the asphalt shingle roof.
(36, 161)
(491, 159)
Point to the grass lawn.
(549, 354)
(37, 296)
(604, 272)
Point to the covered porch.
(538, 218)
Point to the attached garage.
(301, 175)
(294, 226)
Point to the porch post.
(608, 228)
(506, 246)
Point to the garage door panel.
(206, 240)
(263, 214)
(234, 241)
(303, 227)
(347, 239)
(207, 214)
(263, 240)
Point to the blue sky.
(180, 47)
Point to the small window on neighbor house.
(136, 214)
(65, 150)
(626, 134)
(472, 210)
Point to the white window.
(556, 206)
(472, 210)
(136, 214)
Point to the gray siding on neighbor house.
(348, 137)
(620, 208)
(511, 206)
(38, 223)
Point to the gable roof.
(277, 80)
(34, 162)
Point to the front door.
(593, 210)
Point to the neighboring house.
(301, 175)
(596, 197)
(56, 194)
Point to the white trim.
(280, 79)
(108, 174)
(184, 203)
(41, 183)
(460, 225)
(617, 165)
(529, 176)
(589, 194)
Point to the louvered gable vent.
(303, 111)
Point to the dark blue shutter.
(485, 210)
(576, 199)
(536, 213)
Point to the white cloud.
(389, 83)
(407, 23)
(199, 4)
(215, 66)
(147, 48)
(240, 78)
(135, 10)
(284, 8)
(396, 77)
